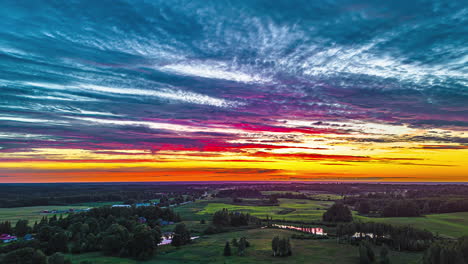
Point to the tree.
(241, 247)
(338, 212)
(384, 255)
(363, 256)
(275, 245)
(114, 239)
(234, 242)
(366, 254)
(144, 242)
(181, 235)
(22, 228)
(25, 255)
(364, 207)
(58, 243)
(227, 249)
(221, 218)
(58, 258)
(5, 228)
(281, 247)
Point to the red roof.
(6, 237)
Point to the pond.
(167, 239)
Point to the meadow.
(449, 225)
(288, 209)
(32, 213)
(209, 249)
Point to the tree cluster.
(338, 212)
(225, 218)
(242, 244)
(281, 247)
(447, 252)
(114, 231)
(398, 237)
(367, 255)
(181, 235)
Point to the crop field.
(451, 224)
(31, 213)
(209, 249)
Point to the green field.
(451, 224)
(209, 249)
(31, 213)
(96, 204)
(304, 210)
(321, 196)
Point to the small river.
(311, 230)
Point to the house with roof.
(142, 204)
(120, 205)
(5, 238)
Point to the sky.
(233, 91)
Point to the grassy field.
(321, 196)
(303, 210)
(209, 249)
(451, 224)
(31, 213)
(96, 204)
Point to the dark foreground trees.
(281, 247)
(25, 256)
(227, 250)
(366, 253)
(338, 212)
(397, 237)
(448, 252)
(144, 242)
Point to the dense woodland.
(132, 232)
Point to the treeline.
(239, 192)
(399, 207)
(397, 237)
(20, 195)
(448, 252)
(125, 232)
(406, 190)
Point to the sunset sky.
(233, 90)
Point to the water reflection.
(167, 238)
(311, 230)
